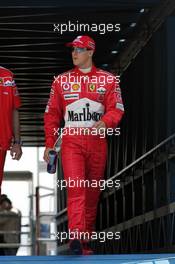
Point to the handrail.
(14, 245)
(13, 232)
(130, 166)
(46, 195)
(61, 212)
(46, 188)
(46, 239)
(143, 157)
(39, 215)
(44, 214)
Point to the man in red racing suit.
(9, 119)
(86, 97)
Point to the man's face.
(81, 56)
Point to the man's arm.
(114, 106)
(16, 151)
(52, 118)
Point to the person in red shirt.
(9, 119)
(90, 98)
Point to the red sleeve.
(114, 108)
(53, 115)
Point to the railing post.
(37, 249)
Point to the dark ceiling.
(35, 53)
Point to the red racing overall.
(81, 102)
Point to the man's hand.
(46, 154)
(16, 151)
(99, 124)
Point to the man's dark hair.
(5, 199)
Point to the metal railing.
(144, 200)
(39, 215)
(11, 232)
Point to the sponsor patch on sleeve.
(120, 106)
(8, 81)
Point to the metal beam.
(143, 33)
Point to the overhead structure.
(31, 48)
